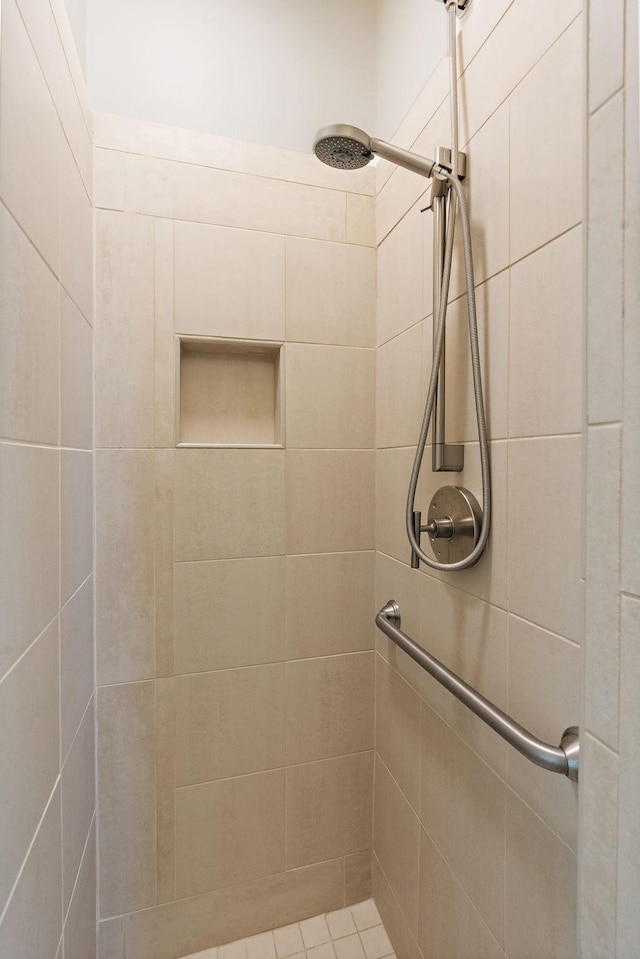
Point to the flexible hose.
(457, 192)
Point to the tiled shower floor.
(353, 933)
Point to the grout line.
(231, 171)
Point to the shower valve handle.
(454, 526)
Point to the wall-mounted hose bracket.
(461, 4)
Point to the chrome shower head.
(348, 148)
(343, 147)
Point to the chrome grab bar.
(564, 758)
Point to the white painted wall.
(77, 11)
(411, 41)
(267, 71)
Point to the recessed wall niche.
(229, 393)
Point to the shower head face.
(343, 147)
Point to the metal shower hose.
(459, 195)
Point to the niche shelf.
(229, 393)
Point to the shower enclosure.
(231, 508)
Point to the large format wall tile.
(76, 520)
(484, 86)
(546, 340)
(361, 219)
(228, 503)
(125, 623)
(396, 840)
(330, 293)
(50, 32)
(329, 500)
(448, 922)
(544, 559)
(225, 153)
(215, 627)
(80, 926)
(601, 832)
(394, 921)
(25, 931)
(124, 331)
(126, 787)
(330, 397)
(492, 302)
(229, 832)
(229, 282)
(462, 809)
(46, 516)
(29, 328)
(539, 117)
(206, 195)
(29, 759)
(329, 603)
(628, 920)
(78, 792)
(399, 292)
(606, 51)
(540, 882)
(399, 389)
(76, 234)
(329, 706)
(488, 197)
(229, 723)
(29, 546)
(393, 471)
(329, 808)
(605, 265)
(398, 729)
(76, 377)
(76, 662)
(179, 928)
(30, 135)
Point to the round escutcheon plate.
(461, 507)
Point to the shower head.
(343, 147)
(346, 147)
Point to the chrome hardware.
(462, 4)
(564, 759)
(570, 742)
(445, 457)
(454, 524)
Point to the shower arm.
(564, 759)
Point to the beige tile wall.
(609, 833)
(470, 840)
(234, 656)
(47, 811)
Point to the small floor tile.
(325, 951)
(315, 932)
(366, 915)
(376, 942)
(261, 947)
(349, 948)
(341, 923)
(356, 932)
(288, 940)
